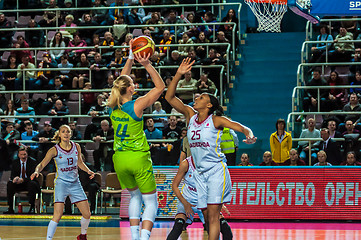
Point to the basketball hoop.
(269, 13)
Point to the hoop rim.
(282, 2)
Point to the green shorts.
(134, 169)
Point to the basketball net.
(268, 13)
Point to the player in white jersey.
(204, 136)
(187, 197)
(68, 158)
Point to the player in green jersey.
(132, 161)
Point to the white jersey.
(66, 163)
(204, 141)
(189, 190)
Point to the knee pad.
(150, 206)
(135, 204)
(179, 223)
(226, 229)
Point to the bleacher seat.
(137, 32)
(18, 33)
(74, 96)
(81, 129)
(90, 158)
(91, 145)
(11, 19)
(73, 107)
(36, 96)
(38, 18)
(51, 34)
(5, 57)
(23, 21)
(39, 56)
(84, 120)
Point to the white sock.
(135, 232)
(145, 234)
(51, 230)
(84, 225)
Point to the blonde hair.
(119, 88)
(56, 137)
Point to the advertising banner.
(277, 193)
(336, 8)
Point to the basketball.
(143, 44)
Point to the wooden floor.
(104, 230)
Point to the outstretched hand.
(34, 175)
(142, 59)
(92, 174)
(250, 140)
(185, 66)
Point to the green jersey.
(128, 129)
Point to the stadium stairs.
(261, 85)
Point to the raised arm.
(183, 168)
(49, 155)
(222, 122)
(175, 102)
(128, 65)
(153, 95)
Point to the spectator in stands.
(26, 72)
(69, 25)
(322, 159)
(357, 81)
(311, 97)
(174, 19)
(117, 61)
(193, 56)
(310, 132)
(21, 170)
(44, 137)
(9, 113)
(5, 36)
(146, 32)
(351, 160)
(5, 161)
(88, 98)
(267, 159)
(135, 16)
(10, 135)
(59, 109)
(214, 58)
(166, 40)
(229, 145)
(319, 51)
(172, 131)
(343, 50)
(81, 76)
(32, 148)
(153, 133)
(204, 84)
(53, 96)
(9, 77)
(160, 122)
(208, 29)
(110, 81)
(331, 126)
(356, 58)
(125, 51)
(245, 160)
(336, 95)
(191, 30)
(35, 38)
(228, 28)
(187, 82)
(352, 106)
(99, 112)
(95, 43)
(175, 59)
(76, 42)
(201, 50)
(65, 74)
(280, 143)
(46, 77)
(183, 50)
(87, 34)
(155, 30)
(57, 41)
(24, 110)
(115, 14)
(221, 38)
(294, 159)
(76, 135)
(21, 43)
(350, 128)
(99, 15)
(195, 96)
(331, 148)
(51, 16)
(98, 76)
(110, 42)
(156, 60)
(103, 155)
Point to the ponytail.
(120, 87)
(216, 108)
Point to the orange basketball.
(143, 44)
